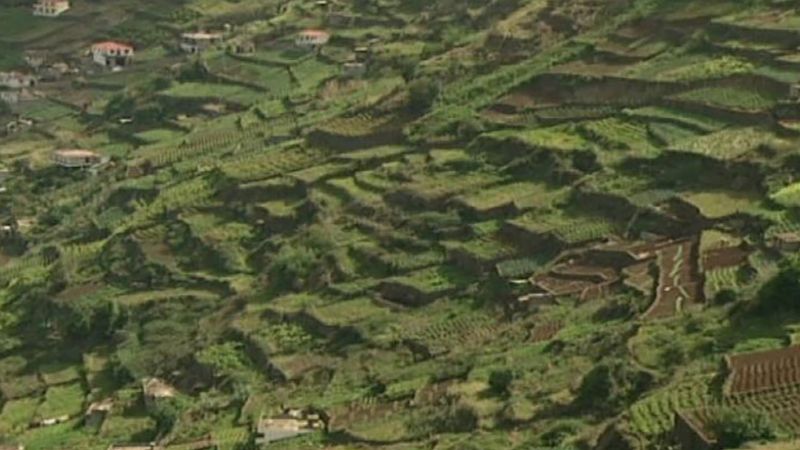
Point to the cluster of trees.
(125, 264)
(306, 262)
(781, 294)
(611, 386)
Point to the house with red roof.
(50, 8)
(112, 54)
(312, 38)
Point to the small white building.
(112, 54)
(312, 38)
(199, 42)
(75, 158)
(9, 97)
(16, 80)
(354, 69)
(290, 423)
(16, 126)
(50, 8)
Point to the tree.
(725, 297)
(611, 386)
(500, 381)
(422, 92)
(782, 292)
(735, 427)
(226, 360)
(293, 267)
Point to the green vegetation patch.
(668, 67)
(53, 374)
(213, 91)
(18, 414)
(729, 143)
(715, 205)
(433, 280)
(523, 195)
(568, 228)
(735, 98)
(66, 400)
(349, 312)
(788, 196)
(559, 138)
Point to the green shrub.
(500, 382)
(611, 386)
(449, 417)
(421, 94)
(735, 427)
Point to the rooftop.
(157, 388)
(202, 35)
(111, 45)
(314, 33)
(76, 153)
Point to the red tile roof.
(110, 46)
(315, 33)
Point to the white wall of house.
(50, 8)
(108, 58)
(195, 43)
(311, 40)
(16, 80)
(10, 97)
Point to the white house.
(16, 80)
(74, 158)
(112, 54)
(198, 42)
(50, 8)
(312, 38)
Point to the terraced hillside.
(400, 225)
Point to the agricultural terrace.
(506, 225)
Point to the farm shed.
(354, 69)
(794, 91)
(97, 412)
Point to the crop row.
(440, 337)
(654, 415)
(192, 193)
(271, 163)
(359, 125)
